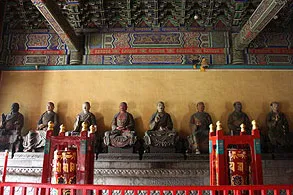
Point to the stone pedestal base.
(118, 156)
(153, 149)
(120, 150)
(282, 156)
(192, 156)
(163, 156)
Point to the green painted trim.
(210, 146)
(47, 146)
(155, 66)
(257, 146)
(220, 147)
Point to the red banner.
(38, 52)
(145, 51)
(271, 51)
(239, 160)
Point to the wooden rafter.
(50, 11)
(263, 14)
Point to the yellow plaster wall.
(180, 90)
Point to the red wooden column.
(258, 176)
(212, 134)
(46, 178)
(218, 166)
(222, 166)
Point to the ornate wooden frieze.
(271, 49)
(36, 48)
(166, 40)
(156, 48)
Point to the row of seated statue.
(123, 134)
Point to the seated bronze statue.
(236, 118)
(278, 130)
(10, 129)
(199, 126)
(85, 116)
(123, 132)
(36, 139)
(161, 133)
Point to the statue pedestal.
(120, 150)
(162, 156)
(154, 149)
(282, 156)
(118, 156)
(193, 156)
(153, 169)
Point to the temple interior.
(142, 52)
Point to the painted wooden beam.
(263, 14)
(50, 10)
(148, 67)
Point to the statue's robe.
(36, 139)
(121, 138)
(161, 133)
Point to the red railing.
(13, 188)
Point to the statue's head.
(200, 106)
(237, 106)
(160, 106)
(123, 106)
(15, 107)
(86, 107)
(50, 106)
(275, 107)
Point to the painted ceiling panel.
(153, 15)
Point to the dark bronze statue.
(161, 133)
(35, 140)
(123, 129)
(10, 129)
(84, 116)
(199, 126)
(278, 128)
(236, 118)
